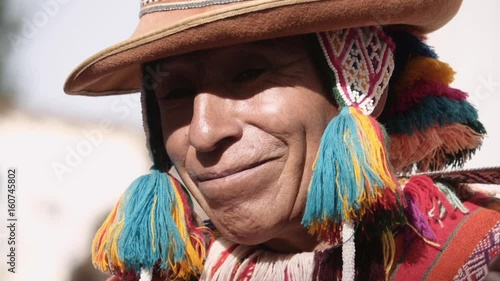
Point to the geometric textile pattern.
(476, 266)
(361, 61)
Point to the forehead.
(277, 48)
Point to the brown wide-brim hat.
(167, 28)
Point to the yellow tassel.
(174, 244)
(153, 238)
(361, 175)
(99, 258)
(194, 259)
(427, 241)
(114, 254)
(389, 252)
(378, 159)
(426, 69)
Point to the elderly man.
(298, 127)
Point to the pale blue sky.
(73, 31)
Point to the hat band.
(165, 5)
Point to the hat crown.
(169, 28)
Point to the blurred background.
(76, 155)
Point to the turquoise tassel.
(452, 197)
(151, 232)
(350, 172)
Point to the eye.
(177, 94)
(248, 75)
(180, 93)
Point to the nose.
(214, 122)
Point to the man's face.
(242, 126)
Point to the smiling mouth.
(209, 176)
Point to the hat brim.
(116, 70)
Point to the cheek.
(175, 135)
(277, 111)
(175, 144)
(295, 111)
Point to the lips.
(225, 173)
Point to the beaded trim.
(348, 252)
(361, 60)
(182, 5)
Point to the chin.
(251, 239)
(247, 230)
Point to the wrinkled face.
(242, 126)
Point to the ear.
(381, 103)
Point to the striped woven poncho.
(452, 234)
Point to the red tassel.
(422, 89)
(428, 196)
